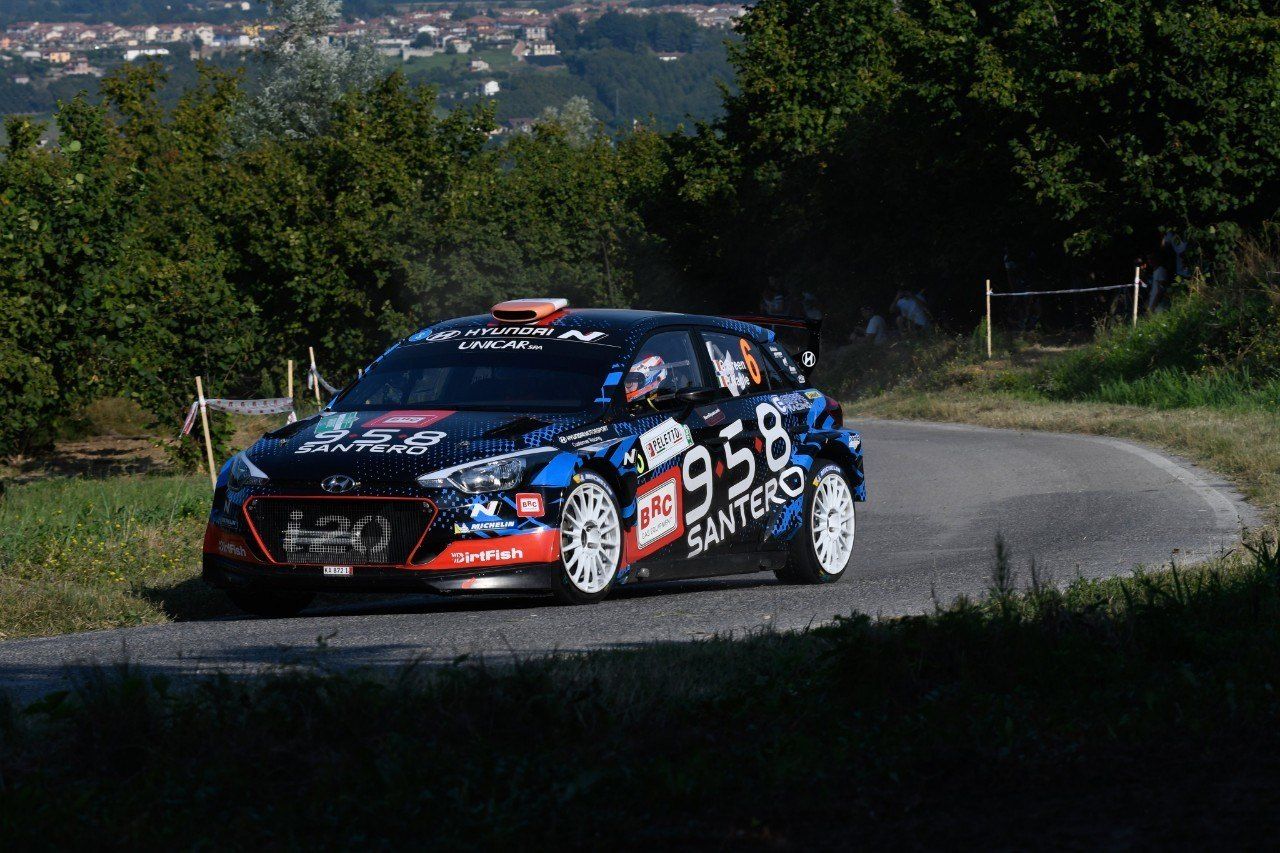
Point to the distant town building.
(132, 54)
(479, 65)
(490, 88)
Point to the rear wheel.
(271, 603)
(823, 548)
(590, 542)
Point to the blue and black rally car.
(547, 449)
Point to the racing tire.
(823, 547)
(590, 542)
(270, 603)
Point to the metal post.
(289, 384)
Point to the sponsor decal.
(664, 442)
(730, 373)
(540, 547)
(530, 505)
(226, 544)
(583, 438)
(499, 344)
(381, 440)
(577, 335)
(232, 549)
(813, 394)
(711, 416)
(506, 331)
(634, 458)
(484, 515)
(505, 335)
(344, 420)
(337, 571)
(784, 358)
(791, 403)
(659, 515)
(482, 526)
(408, 420)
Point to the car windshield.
(560, 377)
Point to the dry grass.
(1241, 446)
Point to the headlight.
(485, 477)
(244, 473)
(493, 475)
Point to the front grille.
(343, 531)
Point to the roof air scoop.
(527, 310)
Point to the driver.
(645, 376)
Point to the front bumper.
(226, 573)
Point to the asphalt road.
(939, 494)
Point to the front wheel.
(590, 542)
(823, 548)
(271, 603)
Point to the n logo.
(479, 509)
(575, 335)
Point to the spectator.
(773, 301)
(1159, 289)
(912, 316)
(1178, 247)
(810, 306)
(877, 330)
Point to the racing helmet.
(645, 376)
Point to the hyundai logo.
(338, 484)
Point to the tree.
(305, 73)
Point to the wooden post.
(1137, 282)
(208, 442)
(289, 385)
(315, 374)
(988, 318)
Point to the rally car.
(541, 448)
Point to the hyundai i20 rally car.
(546, 449)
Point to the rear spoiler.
(806, 353)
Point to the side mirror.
(666, 397)
(697, 396)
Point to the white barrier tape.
(1128, 286)
(272, 406)
(314, 376)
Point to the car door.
(739, 473)
(666, 427)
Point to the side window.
(740, 366)
(665, 362)
(788, 363)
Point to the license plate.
(337, 571)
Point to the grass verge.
(1243, 446)
(82, 554)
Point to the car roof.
(630, 324)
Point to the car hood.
(397, 446)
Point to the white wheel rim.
(590, 538)
(831, 523)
